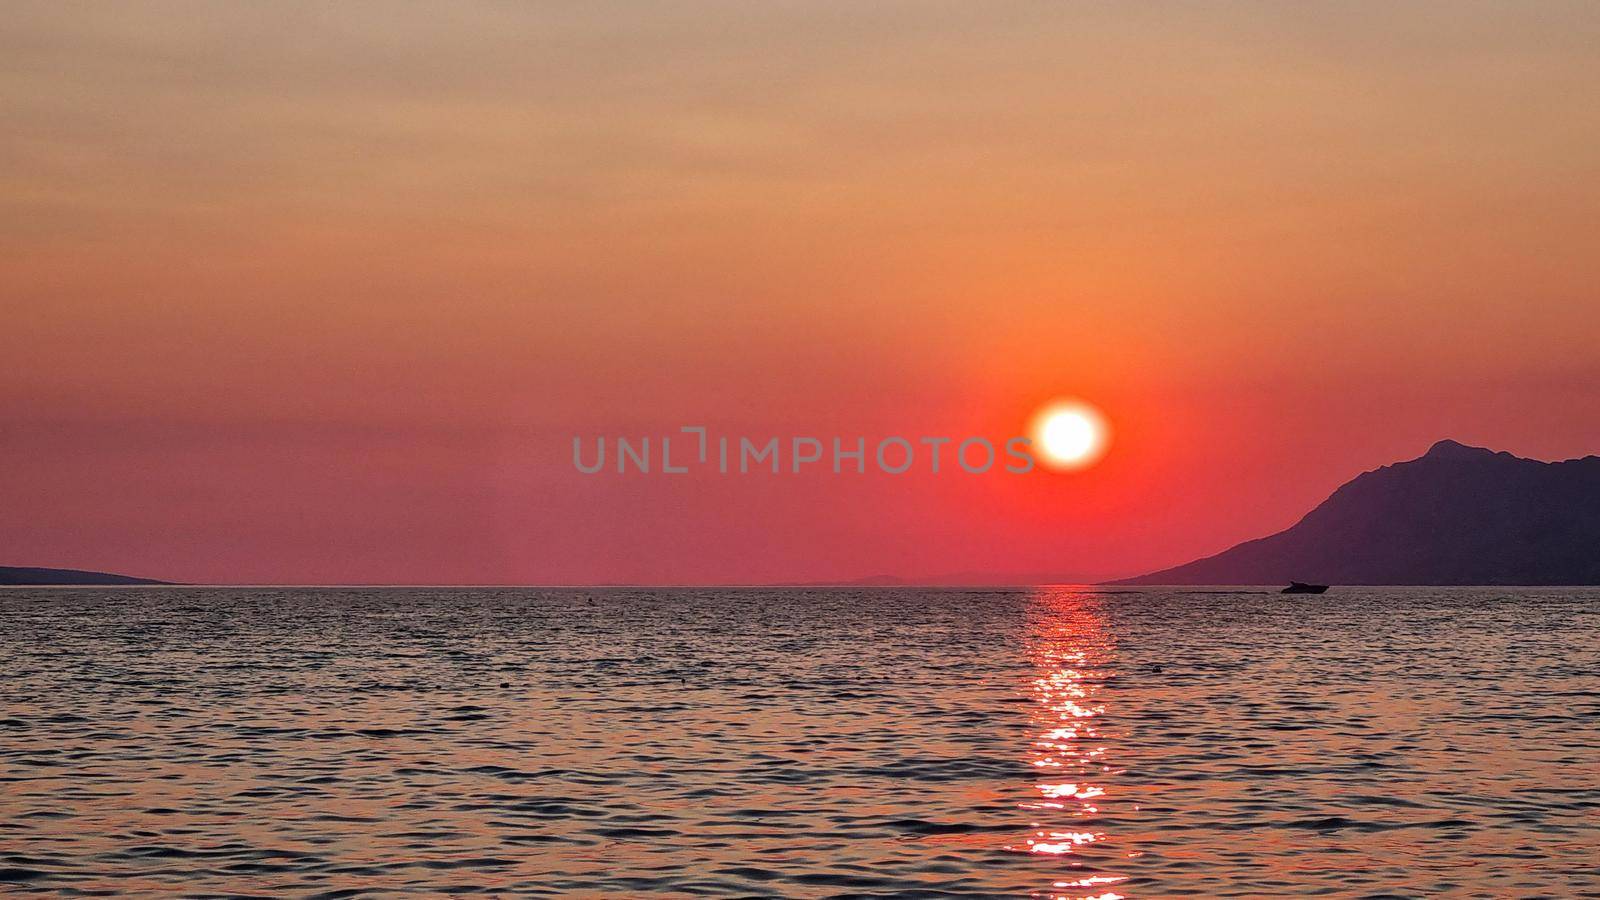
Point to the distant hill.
(26, 575)
(1456, 515)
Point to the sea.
(1051, 742)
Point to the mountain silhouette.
(1456, 515)
(14, 575)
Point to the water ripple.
(826, 743)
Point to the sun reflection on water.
(1070, 646)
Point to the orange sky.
(322, 292)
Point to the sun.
(1069, 434)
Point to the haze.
(322, 292)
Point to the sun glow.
(1069, 434)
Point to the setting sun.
(1069, 434)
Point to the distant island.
(14, 575)
(1457, 515)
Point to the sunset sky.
(322, 292)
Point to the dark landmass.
(868, 581)
(1457, 515)
(26, 575)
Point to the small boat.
(1300, 587)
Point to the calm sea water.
(617, 743)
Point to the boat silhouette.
(1300, 587)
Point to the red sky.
(307, 294)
